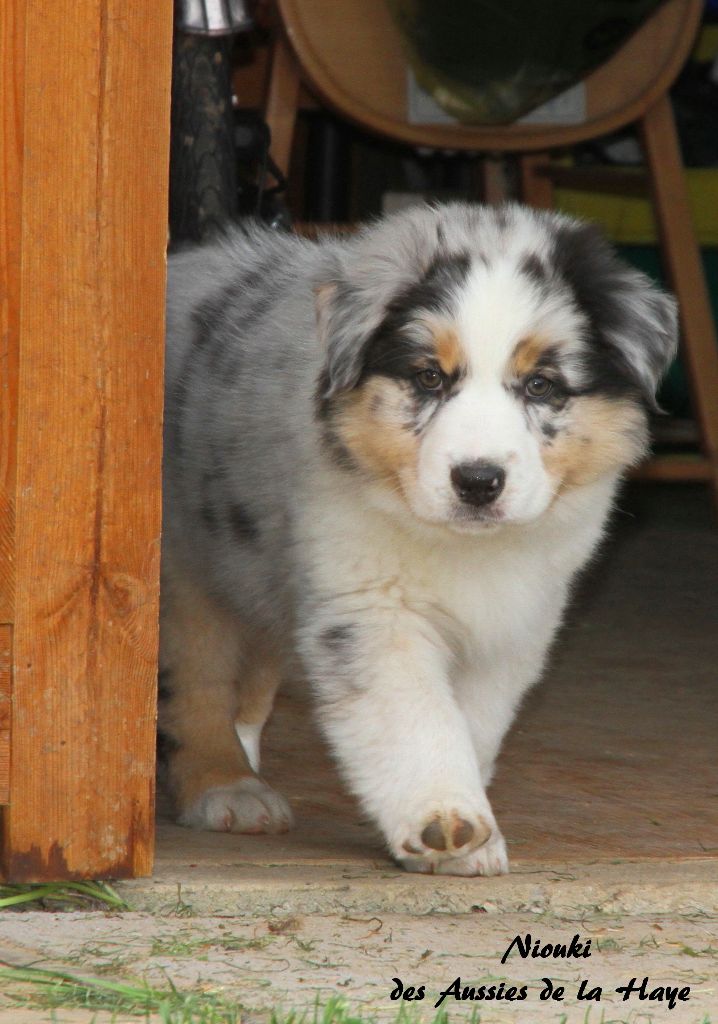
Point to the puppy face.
(482, 362)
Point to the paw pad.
(433, 835)
(453, 833)
(463, 833)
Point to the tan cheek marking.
(449, 353)
(527, 355)
(371, 425)
(603, 435)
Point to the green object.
(490, 61)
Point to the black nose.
(478, 483)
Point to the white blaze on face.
(497, 308)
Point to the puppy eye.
(430, 379)
(538, 386)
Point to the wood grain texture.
(11, 149)
(5, 711)
(96, 123)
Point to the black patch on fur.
(206, 318)
(435, 290)
(323, 412)
(338, 451)
(376, 404)
(608, 293)
(242, 524)
(220, 351)
(244, 309)
(337, 638)
(322, 405)
(390, 352)
(531, 266)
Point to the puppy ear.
(649, 338)
(376, 300)
(323, 299)
(341, 335)
(632, 321)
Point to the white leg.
(489, 696)
(489, 689)
(388, 709)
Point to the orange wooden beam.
(90, 232)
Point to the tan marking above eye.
(449, 353)
(527, 355)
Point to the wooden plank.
(11, 149)
(96, 119)
(5, 711)
(674, 468)
(608, 180)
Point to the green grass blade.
(26, 895)
(62, 892)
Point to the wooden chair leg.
(685, 271)
(536, 188)
(282, 102)
(493, 180)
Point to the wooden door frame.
(84, 134)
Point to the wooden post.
(85, 108)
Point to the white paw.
(489, 859)
(452, 839)
(247, 805)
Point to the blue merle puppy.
(386, 459)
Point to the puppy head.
(480, 362)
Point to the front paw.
(490, 859)
(451, 839)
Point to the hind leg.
(216, 697)
(261, 673)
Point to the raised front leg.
(387, 707)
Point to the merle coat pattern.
(386, 459)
